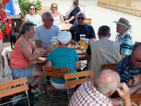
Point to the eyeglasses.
(54, 7)
(32, 8)
(80, 18)
(50, 20)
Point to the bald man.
(97, 93)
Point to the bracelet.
(120, 102)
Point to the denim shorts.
(22, 72)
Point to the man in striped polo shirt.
(129, 69)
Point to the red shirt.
(18, 60)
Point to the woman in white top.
(58, 17)
(32, 16)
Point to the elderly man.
(129, 69)
(45, 32)
(103, 51)
(81, 28)
(123, 37)
(106, 83)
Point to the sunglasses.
(138, 60)
(54, 7)
(32, 8)
(80, 18)
(50, 20)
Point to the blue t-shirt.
(63, 57)
(44, 35)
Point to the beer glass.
(53, 42)
(86, 43)
(82, 43)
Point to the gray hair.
(46, 14)
(105, 86)
(81, 13)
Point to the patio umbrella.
(12, 8)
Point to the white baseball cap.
(64, 37)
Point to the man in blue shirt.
(45, 32)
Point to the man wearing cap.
(123, 37)
(63, 57)
(82, 28)
(45, 32)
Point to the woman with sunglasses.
(32, 16)
(58, 17)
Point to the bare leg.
(38, 74)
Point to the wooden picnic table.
(80, 52)
(64, 27)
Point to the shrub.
(25, 3)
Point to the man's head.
(80, 18)
(75, 2)
(107, 82)
(47, 19)
(104, 31)
(136, 55)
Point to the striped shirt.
(87, 95)
(128, 73)
(125, 42)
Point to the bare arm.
(123, 55)
(37, 43)
(71, 18)
(77, 65)
(61, 17)
(30, 57)
(49, 64)
(25, 18)
(135, 88)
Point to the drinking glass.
(82, 43)
(53, 42)
(86, 43)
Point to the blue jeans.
(22, 72)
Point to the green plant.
(25, 3)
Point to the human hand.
(139, 85)
(91, 40)
(67, 22)
(123, 91)
(48, 47)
